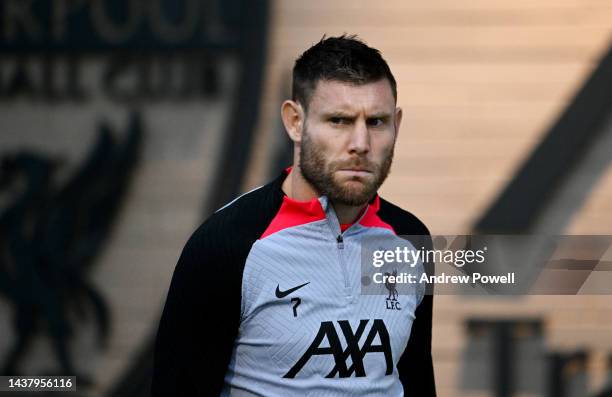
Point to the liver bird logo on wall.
(50, 236)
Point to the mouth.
(356, 171)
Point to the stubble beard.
(353, 192)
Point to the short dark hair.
(343, 58)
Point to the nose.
(360, 138)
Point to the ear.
(398, 120)
(292, 114)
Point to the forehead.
(333, 96)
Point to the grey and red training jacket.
(265, 301)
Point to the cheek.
(328, 144)
(382, 146)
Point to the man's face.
(348, 139)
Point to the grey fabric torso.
(325, 338)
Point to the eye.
(338, 120)
(376, 122)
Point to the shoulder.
(232, 229)
(248, 215)
(402, 221)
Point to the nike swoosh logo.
(282, 294)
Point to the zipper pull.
(340, 241)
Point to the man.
(265, 299)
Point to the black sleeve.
(200, 319)
(415, 365)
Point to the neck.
(348, 213)
(298, 188)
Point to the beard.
(355, 191)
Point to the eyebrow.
(380, 115)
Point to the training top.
(266, 300)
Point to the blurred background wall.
(124, 124)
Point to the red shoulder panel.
(294, 213)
